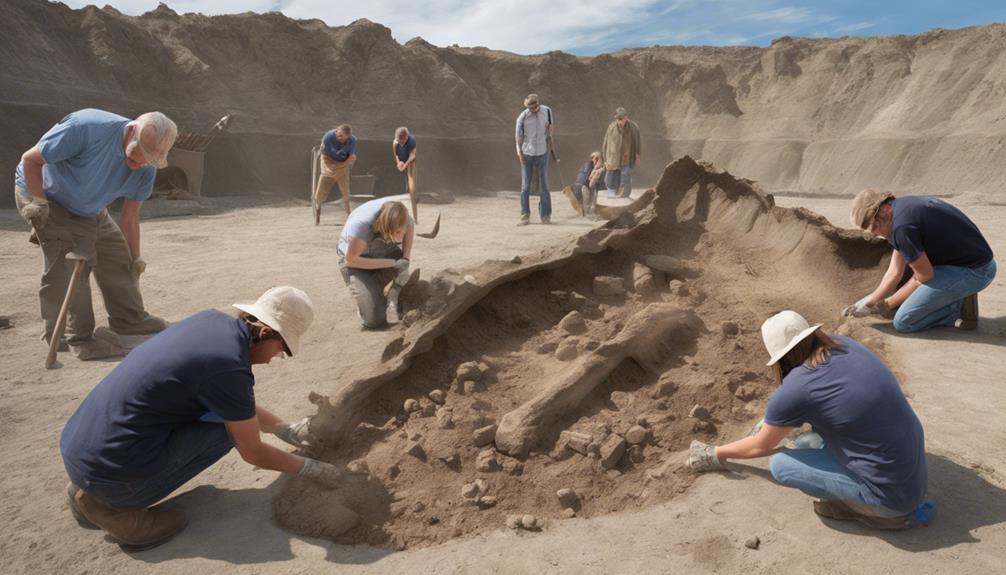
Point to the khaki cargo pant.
(108, 254)
(332, 173)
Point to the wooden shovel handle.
(57, 332)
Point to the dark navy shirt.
(403, 151)
(929, 225)
(198, 365)
(583, 176)
(337, 150)
(854, 403)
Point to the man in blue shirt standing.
(62, 187)
(338, 154)
(948, 258)
(533, 137)
(404, 148)
(173, 407)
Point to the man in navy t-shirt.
(949, 259)
(174, 406)
(338, 154)
(404, 148)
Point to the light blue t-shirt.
(532, 131)
(85, 164)
(855, 405)
(360, 223)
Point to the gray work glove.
(401, 272)
(859, 309)
(297, 434)
(702, 457)
(328, 475)
(137, 268)
(36, 213)
(882, 309)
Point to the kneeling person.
(374, 250)
(174, 406)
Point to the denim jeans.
(938, 301)
(817, 473)
(367, 286)
(544, 198)
(618, 179)
(191, 449)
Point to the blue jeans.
(190, 449)
(544, 198)
(620, 178)
(938, 301)
(817, 473)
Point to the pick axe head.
(433, 233)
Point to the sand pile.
(570, 383)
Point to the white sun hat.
(783, 331)
(285, 309)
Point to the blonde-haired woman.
(374, 249)
(866, 458)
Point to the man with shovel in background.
(62, 187)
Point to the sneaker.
(839, 511)
(122, 340)
(546, 220)
(969, 313)
(132, 529)
(524, 220)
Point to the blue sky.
(589, 27)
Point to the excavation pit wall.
(603, 401)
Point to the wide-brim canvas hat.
(287, 310)
(783, 331)
(865, 206)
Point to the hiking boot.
(132, 529)
(525, 219)
(149, 325)
(969, 313)
(95, 349)
(546, 220)
(840, 511)
(121, 340)
(63, 346)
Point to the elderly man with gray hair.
(62, 187)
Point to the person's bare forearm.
(902, 294)
(32, 163)
(131, 232)
(365, 263)
(407, 242)
(269, 457)
(747, 448)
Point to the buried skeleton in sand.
(871, 466)
(175, 406)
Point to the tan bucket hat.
(285, 309)
(783, 331)
(865, 206)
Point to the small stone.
(411, 317)
(566, 350)
(416, 450)
(482, 485)
(484, 368)
(547, 347)
(470, 386)
(608, 286)
(730, 328)
(529, 522)
(568, 497)
(418, 507)
(432, 520)
(394, 472)
(485, 461)
(746, 393)
(642, 421)
(577, 441)
(512, 467)
(612, 451)
(699, 412)
(568, 513)
(573, 323)
(621, 399)
(437, 396)
(637, 434)
(429, 410)
(704, 427)
(484, 435)
(752, 542)
(486, 501)
(411, 405)
(451, 460)
(664, 388)
(469, 370)
(642, 279)
(678, 288)
(516, 260)
(445, 418)
(469, 491)
(513, 521)
(637, 454)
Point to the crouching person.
(374, 251)
(865, 460)
(174, 406)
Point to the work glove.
(328, 475)
(36, 213)
(401, 272)
(859, 309)
(137, 268)
(702, 457)
(882, 309)
(297, 434)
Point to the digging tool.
(315, 158)
(432, 233)
(57, 332)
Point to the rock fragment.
(512, 467)
(469, 490)
(642, 279)
(568, 513)
(487, 501)
(568, 497)
(429, 410)
(530, 522)
(567, 350)
(547, 347)
(469, 370)
(573, 323)
(484, 435)
(608, 286)
(730, 328)
(411, 405)
(752, 542)
(437, 396)
(470, 386)
(612, 451)
(637, 434)
(678, 288)
(416, 450)
(699, 412)
(445, 418)
(486, 462)
(513, 521)
(577, 441)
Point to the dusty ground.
(952, 380)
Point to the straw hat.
(783, 331)
(285, 309)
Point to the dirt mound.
(586, 368)
(916, 114)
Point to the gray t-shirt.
(360, 224)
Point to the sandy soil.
(950, 377)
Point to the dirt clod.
(612, 451)
(484, 435)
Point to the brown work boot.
(839, 511)
(132, 529)
(317, 213)
(969, 313)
